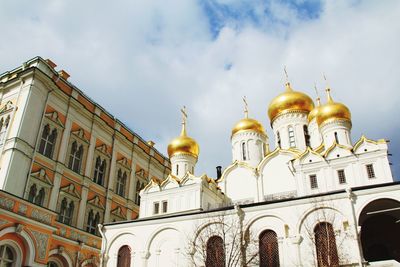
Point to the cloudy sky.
(144, 60)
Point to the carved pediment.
(71, 190)
(118, 212)
(103, 149)
(140, 173)
(42, 176)
(8, 106)
(96, 202)
(80, 133)
(124, 162)
(53, 116)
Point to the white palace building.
(313, 198)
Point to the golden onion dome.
(332, 111)
(314, 113)
(289, 101)
(183, 145)
(248, 124)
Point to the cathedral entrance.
(380, 230)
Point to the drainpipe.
(103, 255)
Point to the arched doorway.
(380, 230)
(124, 257)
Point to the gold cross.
(184, 115)
(286, 74)
(246, 109)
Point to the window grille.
(268, 249)
(342, 176)
(325, 244)
(215, 256)
(313, 181)
(370, 171)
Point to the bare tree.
(327, 234)
(223, 240)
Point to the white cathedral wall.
(277, 176)
(240, 184)
(166, 241)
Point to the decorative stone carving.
(63, 231)
(41, 242)
(22, 209)
(7, 203)
(41, 216)
(2, 222)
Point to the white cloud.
(143, 60)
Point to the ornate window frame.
(42, 180)
(53, 121)
(101, 151)
(96, 206)
(78, 136)
(69, 192)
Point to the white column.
(108, 209)
(82, 207)
(132, 181)
(112, 166)
(65, 141)
(55, 190)
(89, 158)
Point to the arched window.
(99, 171)
(66, 211)
(292, 141)
(244, 152)
(269, 251)
(306, 135)
(325, 244)
(3, 128)
(32, 193)
(40, 197)
(177, 169)
(75, 157)
(336, 138)
(121, 183)
(47, 141)
(92, 222)
(278, 137)
(215, 252)
(124, 257)
(137, 196)
(7, 257)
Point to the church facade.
(313, 198)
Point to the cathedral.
(310, 198)
(80, 188)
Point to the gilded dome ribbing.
(289, 101)
(183, 144)
(248, 124)
(332, 111)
